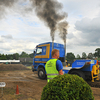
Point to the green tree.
(0, 55)
(70, 57)
(31, 55)
(24, 54)
(9, 56)
(90, 56)
(3, 57)
(97, 53)
(16, 56)
(78, 56)
(84, 55)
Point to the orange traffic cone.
(17, 90)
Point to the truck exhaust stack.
(52, 45)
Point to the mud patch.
(12, 67)
(94, 84)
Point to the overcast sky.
(21, 30)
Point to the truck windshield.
(39, 51)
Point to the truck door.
(43, 51)
(38, 56)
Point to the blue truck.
(87, 69)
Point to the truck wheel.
(79, 73)
(41, 73)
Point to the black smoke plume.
(50, 12)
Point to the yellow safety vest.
(51, 70)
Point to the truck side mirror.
(34, 52)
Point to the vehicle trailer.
(87, 69)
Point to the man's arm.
(59, 67)
(61, 72)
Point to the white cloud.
(89, 30)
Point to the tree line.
(15, 56)
(95, 55)
(69, 56)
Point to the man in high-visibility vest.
(54, 66)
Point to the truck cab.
(42, 54)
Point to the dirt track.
(30, 86)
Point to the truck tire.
(41, 73)
(79, 73)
